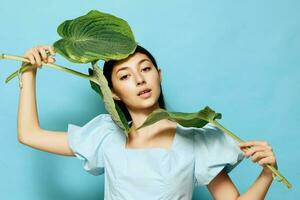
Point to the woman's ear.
(159, 73)
(115, 96)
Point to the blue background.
(241, 58)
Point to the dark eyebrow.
(122, 68)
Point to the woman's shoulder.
(88, 141)
(99, 128)
(193, 130)
(206, 135)
(103, 121)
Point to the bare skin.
(29, 131)
(126, 84)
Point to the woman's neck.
(139, 116)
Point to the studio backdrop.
(241, 58)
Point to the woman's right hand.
(38, 54)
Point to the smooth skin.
(139, 73)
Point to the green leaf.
(95, 86)
(104, 91)
(95, 36)
(196, 119)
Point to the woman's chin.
(146, 104)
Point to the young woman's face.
(132, 75)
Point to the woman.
(161, 161)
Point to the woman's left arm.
(221, 187)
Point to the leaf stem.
(55, 66)
(275, 172)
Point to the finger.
(254, 149)
(50, 49)
(37, 57)
(259, 155)
(51, 60)
(26, 56)
(31, 58)
(43, 53)
(268, 160)
(252, 143)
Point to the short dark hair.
(107, 71)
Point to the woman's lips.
(146, 94)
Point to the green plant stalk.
(58, 67)
(275, 172)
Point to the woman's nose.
(141, 82)
(140, 79)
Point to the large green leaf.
(104, 91)
(95, 36)
(196, 119)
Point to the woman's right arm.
(29, 131)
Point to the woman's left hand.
(260, 152)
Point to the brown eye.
(147, 69)
(123, 77)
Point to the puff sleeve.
(213, 151)
(87, 141)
